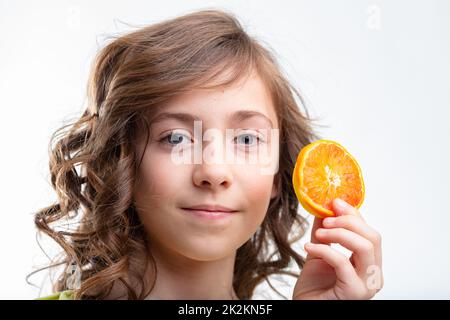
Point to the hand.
(329, 274)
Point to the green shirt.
(63, 295)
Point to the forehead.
(246, 99)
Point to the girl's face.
(166, 186)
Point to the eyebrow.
(240, 115)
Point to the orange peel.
(325, 170)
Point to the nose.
(212, 176)
(213, 172)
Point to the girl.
(151, 221)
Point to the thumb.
(342, 208)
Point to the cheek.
(256, 189)
(159, 179)
(258, 185)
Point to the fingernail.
(340, 204)
(321, 231)
(328, 221)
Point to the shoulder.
(63, 295)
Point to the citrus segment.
(325, 170)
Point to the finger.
(341, 265)
(341, 208)
(363, 249)
(357, 225)
(316, 225)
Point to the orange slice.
(325, 170)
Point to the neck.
(179, 277)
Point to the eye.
(248, 139)
(175, 138)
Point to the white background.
(376, 73)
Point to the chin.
(208, 252)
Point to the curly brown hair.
(94, 165)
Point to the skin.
(194, 254)
(329, 274)
(195, 257)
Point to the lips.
(210, 211)
(211, 207)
